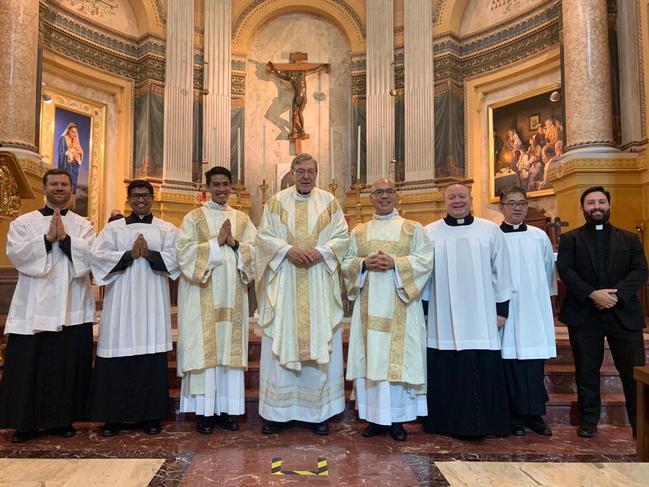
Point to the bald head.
(383, 196)
(458, 200)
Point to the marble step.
(560, 379)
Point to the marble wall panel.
(268, 99)
(149, 134)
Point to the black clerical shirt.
(154, 258)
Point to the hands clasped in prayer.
(57, 229)
(304, 257)
(140, 247)
(225, 234)
(379, 262)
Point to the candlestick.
(333, 187)
(263, 187)
(358, 187)
(238, 188)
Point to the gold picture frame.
(509, 153)
(96, 112)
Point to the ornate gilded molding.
(595, 165)
(13, 186)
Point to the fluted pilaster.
(216, 104)
(419, 90)
(379, 79)
(178, 104)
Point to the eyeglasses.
(381, 192)
(140, 196)
(302, 172)
(514, 204)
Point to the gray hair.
(303, 157)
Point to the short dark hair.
(303, 157)
(595, 189)
(217, 170)
(55, 172)
(139, 183)
(510, 190)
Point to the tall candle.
(263, 153)
(331, 151)
(358, 155)
(239, 153)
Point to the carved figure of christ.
(295, 73)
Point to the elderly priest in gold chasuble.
(386, 268)
(216, 254)
(302, 239)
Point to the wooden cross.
(556, 230)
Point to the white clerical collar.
(599, 227)
(215, 206)
(302, 196)
(389, 216)
(515, 227)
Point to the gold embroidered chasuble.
(299, 307)
(213, 296)
(387, 339)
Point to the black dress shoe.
(226, 423)
(272, 428)
(205, 424)
(374, 429)
(538, 426)
(110, 429)
(587, 430)
(397, 432)
(21, 436)
(64, 431)
(518, 429)
(152, 427)
(321, 429)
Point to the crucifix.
(295, 73)
(556, 230)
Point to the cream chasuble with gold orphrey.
(213, 292)
(387, 340)
(299, 307)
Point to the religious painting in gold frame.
(526, 136)
(59, 112)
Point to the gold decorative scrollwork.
(9, 197)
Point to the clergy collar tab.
(133, 218)
(458, 222)
(508, 227)
(49, 211)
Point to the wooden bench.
(641, 375)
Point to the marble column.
(216, 104)
(179, 85)
(419, 90)
(587, 84)
(18, 65)
(630, 66)
(379, 81)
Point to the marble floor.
(244, 457)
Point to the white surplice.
(53, 291)
(301, 371)
(529, 330)
(136, 317)
(471, 275)
(213, 310)
(387, 343)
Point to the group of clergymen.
(473, 368)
